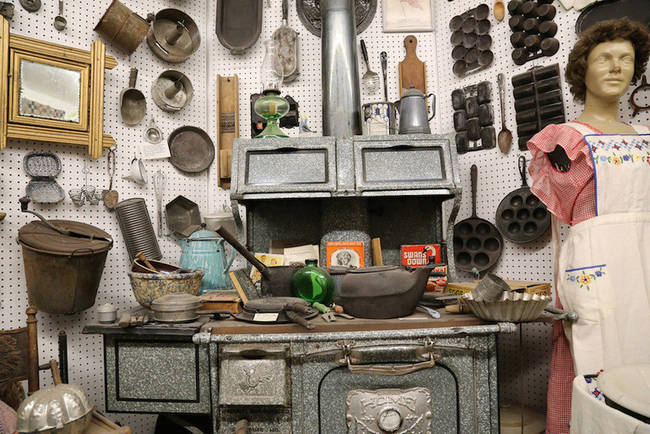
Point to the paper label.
(266, 317)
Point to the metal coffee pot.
(412, 109)
(206, 251)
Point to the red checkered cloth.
(569, 195)
(560, 381)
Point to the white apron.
(604, 264)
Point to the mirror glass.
(49, 92)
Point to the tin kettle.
(205, 250)
(412, 109)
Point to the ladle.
(505, 136)
(59, 21)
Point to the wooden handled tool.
(412, 71)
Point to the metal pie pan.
(191, 149)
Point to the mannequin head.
(607, 58)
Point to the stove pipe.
(340, 69)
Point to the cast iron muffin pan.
(471, 40)
(533, 29)
(521, 217)
(477, 242)
(538, 101)
(473, 117)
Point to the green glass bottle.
(312, 283)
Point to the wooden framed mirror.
(52, 93)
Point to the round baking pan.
(521, 216)
(191, 149)
(477, 242)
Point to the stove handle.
(390, 370)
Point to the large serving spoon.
(370, 79)
(504, 139)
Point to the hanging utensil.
(173, 35)
(505, 136)
(153, 134)
(31, 5)
(370, 79)
(239, 23)
(287, 40)
(172, 91)
(384, 66)
(412, 71)
(159, 182)
(133, 105)
(521, 216)
(110, 196)
(477, 242)
(59, 21)
(499, 10)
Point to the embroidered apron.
(604, 264)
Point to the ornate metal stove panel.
(254, 375)
(400, 411)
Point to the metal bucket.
(62, 283)
(137, 229)
(122, 27)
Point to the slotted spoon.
(370, 79)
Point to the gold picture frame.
(40, 121)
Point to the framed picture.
(408, 16)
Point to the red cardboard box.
(417, 255)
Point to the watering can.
(205, 250)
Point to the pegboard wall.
(498, 173)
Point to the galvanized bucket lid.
(176, 303)
(41, 237)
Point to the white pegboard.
(497, 172)
(85, 351)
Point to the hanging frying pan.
(521, 216)
(477, 242)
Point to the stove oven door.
(410, 388)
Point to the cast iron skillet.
(477, 242)
(288, 309)
(521, 216)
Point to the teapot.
(413, 112)
(205, 250)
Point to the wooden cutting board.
(227, 124)
(412, 71)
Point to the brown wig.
(605, 31)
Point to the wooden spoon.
(505, 136)
(499, 10)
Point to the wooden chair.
(20, 354)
